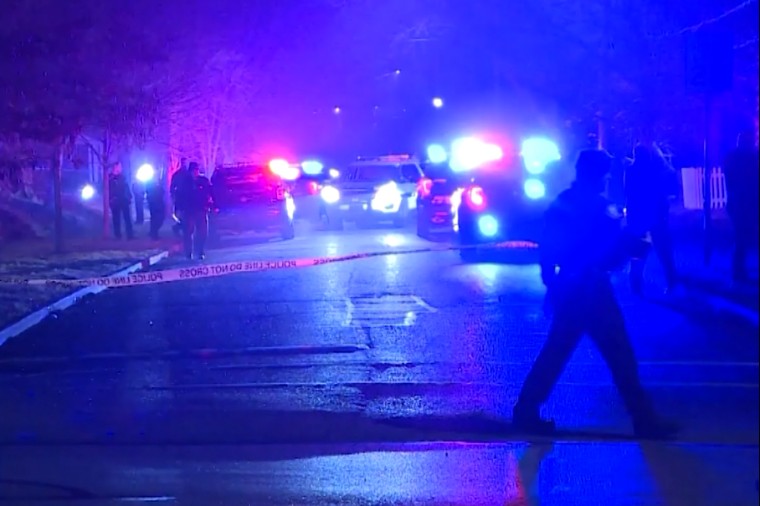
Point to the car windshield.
(373, 173)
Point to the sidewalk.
(85, 258)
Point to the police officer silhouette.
(583, 241)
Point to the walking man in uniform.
(195, 214)
(584, 241)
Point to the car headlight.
(387, 198)
(330, 194)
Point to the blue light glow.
(437, 153)
(534, 189)
(537, 153)
(312, 167)
(488, 225)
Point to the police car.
(372, 190)
(504, 200)
(437, 196)
(250, 198)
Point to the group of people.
(120, 202)
(650, 184)
(191, 199)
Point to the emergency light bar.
(385, 158)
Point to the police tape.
(226, 268)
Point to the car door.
(411, 173)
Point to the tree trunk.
(57, 199)
(104, 157)
(106, 207)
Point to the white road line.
(349, 313)
(421, 302)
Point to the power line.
(707, 22)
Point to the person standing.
(119, 200)
(156, 205)
(195, 213)
(741, 168)
(181, 179)
(139, 190)
(649, 187)
(583, 241)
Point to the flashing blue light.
(534, 189)
(537, 153)
(488, 225)
(437, 153)
(312, 167)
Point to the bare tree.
(73, 69)
(205, 111)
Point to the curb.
(36, 317)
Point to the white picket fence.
(693, 183)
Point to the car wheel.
(288, 231)
(423, 226)
(399, 221)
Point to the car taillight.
(424, 187)
(475, 198)
(312, 188)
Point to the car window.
(437, 171)
(410, 172)
(240, 184)
(374, 173)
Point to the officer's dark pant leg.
(564, 334)
(662, 242)
(116, 221)
(127, 221)
(139, 211)
(188, 230)
(640, 227)
(156, 220)
(201, 233)
(608, 332)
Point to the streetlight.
(437, 102)
(87, 192)
(397, 72)
(336, 110)
(145, 173)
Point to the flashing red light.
(475, 198)
(312, 188)
(425, 186)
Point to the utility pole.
(56, 168)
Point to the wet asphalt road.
(385, 380)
